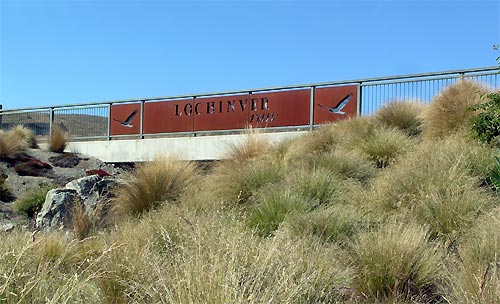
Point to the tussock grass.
(385, 146)
(478, 277)
(220, 261)
(25, 134)
(336, 223)
(11, 145)
(405, 116)
(347, 164)
(152, 183)
(57, 140)
(448, 112)
(266, 217)
(396, 262)
(236, 183)
(319, 186)
(252, 147)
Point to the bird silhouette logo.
(338, 108)
(128, 120)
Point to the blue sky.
(60, 52)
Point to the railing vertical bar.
(108, 125)
(359, 92)
(141, 122)
(311, 108)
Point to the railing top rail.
(300, 86)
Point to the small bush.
(57, 140)
(449, 111)
(397, 262)
(486, 125)
(266, 217)
(26, 135)
(405, 116)
(478, 278)
(163, 179)
(32, 202)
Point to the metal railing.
(372, 94)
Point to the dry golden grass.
(80, 220)
(478, 277)
(11, 144)
(25, 134)
(253, 146)
(448, 112)
(57, 140)
(403, 115)
(162, 180)
(396, 262)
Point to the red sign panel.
(335, 103)
(260, 110)
(125, 119)
(168, 116)
(221, 113)
(280, 109)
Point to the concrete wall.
(188, 148)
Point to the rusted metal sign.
(228, 112)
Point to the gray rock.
(92, 189)
(88, 190)
(6, 227)
(56, 209)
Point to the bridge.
(203, 126)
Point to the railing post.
(1, 117)
(108, 127)
(311, 108)
(360, 92)
(141, 127)
(51, 121)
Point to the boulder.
(88, 190)
(56, 208)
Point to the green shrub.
(406, 116)
(448, 112)
(397, 262)
(486, 125)
(31, 202)
(152, 183)
(267, 216)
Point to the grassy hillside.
(398, 207)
